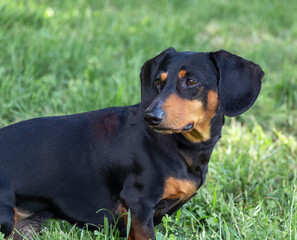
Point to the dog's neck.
(195, 147)
(199, 133)
(196, 156)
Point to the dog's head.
(183, 91)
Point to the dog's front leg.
(142, 212)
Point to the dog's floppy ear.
(239, 82)
(148, 70)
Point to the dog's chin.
(162, 130)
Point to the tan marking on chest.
(176, 188)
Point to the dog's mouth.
(187, 128)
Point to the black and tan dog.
(150, 158)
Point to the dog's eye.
(158, 81)
(191, 81)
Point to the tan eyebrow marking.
(164, 76)
(182, 73)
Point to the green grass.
(62, 57)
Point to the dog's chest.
(175, 193)
(179, 189)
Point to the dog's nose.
(155, 117)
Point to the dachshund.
(147, 159)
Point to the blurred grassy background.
(63, 57)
